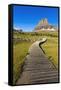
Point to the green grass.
(19, 52)
(32, 35)
(51, 50)
(20, 49)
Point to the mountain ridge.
(44, 25)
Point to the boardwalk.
(37, 68)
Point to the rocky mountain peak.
(43, 22)
(44, 25)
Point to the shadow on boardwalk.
(37, 68)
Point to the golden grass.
(51, 49)
(19, 52)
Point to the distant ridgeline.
(45, 26)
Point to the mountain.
(45, 26)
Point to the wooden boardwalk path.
(37, 68)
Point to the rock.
(44, 25)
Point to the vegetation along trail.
(37, 68)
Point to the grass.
(51, 50)
(19, 52)
(20, 49)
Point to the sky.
(27, 17)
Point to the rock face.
(43, 22)
(44, 25)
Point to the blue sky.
(27, 18)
